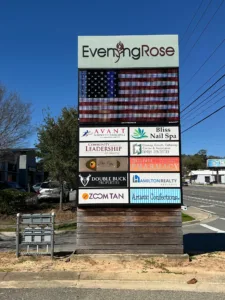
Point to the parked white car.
(50, 190)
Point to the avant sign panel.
(103, 196)
(103, 164)
(142, 51)
(164, 133)
(155, 180)
(103, 134)
(103, 149)
(155, 196)
(154, 148)
(104, 180)
(152, 164)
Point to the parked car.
(11, 185)
(50, 190)
(37, 186)
(185, 183)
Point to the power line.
(202, 32)
(207, 108)
(203, 119)
(204, 63)
(208, 80)
(203, 93)
(204, 12)
(205, 100)
(192, 20)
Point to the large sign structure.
(129, 134)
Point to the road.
(198, 238)
(102, 294)
(205, 236)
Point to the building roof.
(206, 172)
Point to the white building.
(206, 176)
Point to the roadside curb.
(207, 218)
(113, 280)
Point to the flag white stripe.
(130, 107)
(150, 83)
(137, 92)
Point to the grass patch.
(186, 218)
(8, 229)
(70, 226)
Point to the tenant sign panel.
(163, 133)
(155, 180)
(103, 134)
(154, 148)
(103, 149)
(103, 196)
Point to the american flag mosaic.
(128, 96)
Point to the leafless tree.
(15, 119)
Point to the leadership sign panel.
(155, 196)
(155, 180)
(154, 148)
(103, 134)
(153, 164)
(103, 196)
(103, 149)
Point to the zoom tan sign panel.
(103, 196)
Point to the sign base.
(129, 230)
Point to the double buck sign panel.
(129, 135)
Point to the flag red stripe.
(137, 102)
(149, 79)
(127, 111)
(150, 71)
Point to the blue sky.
(38, 52)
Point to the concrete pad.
(30, 276)
(129, 257)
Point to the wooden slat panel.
(131, 251)
(132, 230)
(127, 219)
(130, 241)
(120, 224)
(128, 230)
(131, 213)
(134, 247)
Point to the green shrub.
(12, 201)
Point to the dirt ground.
(208, 263)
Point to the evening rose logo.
(139, 134)
(135, 52)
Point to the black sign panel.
(100, 179)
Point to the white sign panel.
(155, 180)
(103, 196)
(103, 149)
(142, 51)
(154, 148)
(103, 134)
(164, 133)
